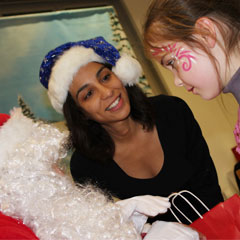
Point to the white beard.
(50, 203)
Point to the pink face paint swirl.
(179, 54)
(187, 65)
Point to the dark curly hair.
(90, 138)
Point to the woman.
(124, 142)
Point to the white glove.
(161, 230)
(138, 209)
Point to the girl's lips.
(190, 89)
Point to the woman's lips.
(115, 105)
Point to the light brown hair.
(174, 20)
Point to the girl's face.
(192, 69)
(97, 90)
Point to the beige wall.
(216, 117)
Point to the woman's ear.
(206, 30)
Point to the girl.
(198, 41)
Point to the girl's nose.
(178, 82)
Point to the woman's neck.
(123, 130)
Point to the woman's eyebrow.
(80, 89)
(86, 85)
(99, 71)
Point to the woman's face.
(97, 90)
(192, 69)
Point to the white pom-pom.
(128, 70)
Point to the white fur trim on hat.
(64, 70)
(128, 70)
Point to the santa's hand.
(171, 231)
(138, 209)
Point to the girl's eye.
(170, 63)
(88, 95)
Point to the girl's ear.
(206, 30)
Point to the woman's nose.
(106, 92)
(178, 82)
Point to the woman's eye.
(89, 94)
(106, 77)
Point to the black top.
(187, 162)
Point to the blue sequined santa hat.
(61, 64)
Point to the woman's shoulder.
(82, 168)
(76, 155)
(170, 107)
(78, 159)
(166, 101)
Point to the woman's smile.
(115, 105)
